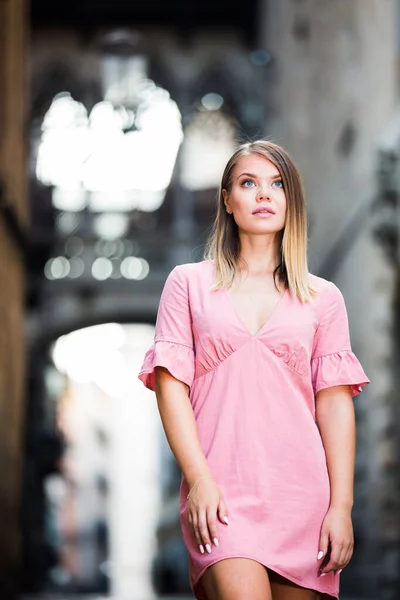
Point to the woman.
(254, 377)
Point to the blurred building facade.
(13, 218)
(109, 472)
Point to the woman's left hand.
(336, 541)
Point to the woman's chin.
(260, 229)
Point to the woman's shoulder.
(193, 269)
(327, 291)
(320, 283)
(191, 275)
(185, 279)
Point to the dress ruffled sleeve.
(173, 346)
(333, 362)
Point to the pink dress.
(253, 400)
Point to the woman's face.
(257, 199)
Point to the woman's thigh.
(236, 579)
(283, 589)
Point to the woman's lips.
(263, 212)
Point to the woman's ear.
(225, 196)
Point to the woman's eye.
(247, 181)
(278, 183)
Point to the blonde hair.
(223, 245)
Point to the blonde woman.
(254, 377)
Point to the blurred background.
(116, 119)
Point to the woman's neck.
(259, 256)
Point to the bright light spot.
(133, 267)
(65, 143)
(47, 269)
(73, 200)
(111, 377)
(102, 268)
(77, 267)
(212, 101)
(67, 223)
(64, 114)
(145, 269)
(57, 268)
(94, 354)
(116, 200)
(104, 116)
(114, 332)
(122, 169)
(148, 201)
(111, 226)
(55, 487)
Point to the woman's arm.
(206, 501)
(336, 422)
(180, 426)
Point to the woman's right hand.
(204, 505)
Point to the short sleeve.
(173, 339)
(333, 362)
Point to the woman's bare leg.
(236, 579)
(283, 589)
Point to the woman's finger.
(323, 544)
(349, 554)
(333, 563)
(347, 557)
(203, 530)
(212, 526)
(222, 512)
(195, 525)
(341, 562)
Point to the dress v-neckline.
(241, 320)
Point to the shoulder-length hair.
(223, 245)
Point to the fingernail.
(201, 549)
(226, 520)
(320, 555)
(216, 542)
(323, 574)
(208, 548)
(340, 570)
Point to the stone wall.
(12, 218)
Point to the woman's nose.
(262, 194)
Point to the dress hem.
(334, 595)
